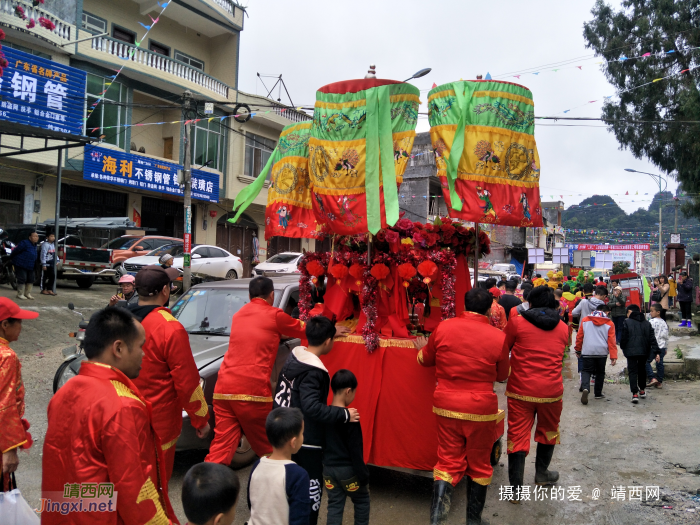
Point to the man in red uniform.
(100, 433)
(169, 378)
(464, 401)
(536, 339)
(243, 394)
(13, 426)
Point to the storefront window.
(208, 144)
(257, 152)
(109, 112)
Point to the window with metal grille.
(190, 61)
(11, 192)
(159, 48)
(94, 24)
(125, 35)
(111, 111)
(257, 152)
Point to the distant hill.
(603, 215)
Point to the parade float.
(387, 278)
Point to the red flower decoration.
(2, 34)
(357, 271)
(379, 271)
(339, 271)
(406, 271)
(404, 224)
(391, 236)
(31, 23)
(46, 23)
(427, 269)
(315, 268)
(381, 236)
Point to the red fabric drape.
(463, 283)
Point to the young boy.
(638, 344)
(304, 383)
(661, 333)
(278, 488)
(594, 341)
(209, 494)
(344, 469)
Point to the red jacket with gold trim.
(169, 378)
(536, 353)
(255, 336)
(100, 431)
(466, 366)
(14, 428)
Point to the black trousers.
(337, 496)
(311, 460)
(47, 278)
(685, 309)
(24, 275)
(637, 370)
(593, 366)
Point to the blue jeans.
(659, 367)
(618, 321)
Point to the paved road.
(605, 444)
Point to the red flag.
(434, 85)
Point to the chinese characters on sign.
(80, 497)
(574, 493)
(614, 247)
(143, 173)
(42, 93)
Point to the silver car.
(206, 311)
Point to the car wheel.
(63, 374)
(84, 282)
(244, 455)
(231, 274)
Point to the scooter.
(73, 355)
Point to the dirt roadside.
(607, 443)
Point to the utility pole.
(189, 113)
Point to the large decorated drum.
(482, 134)
(289, 212)
(362, 137)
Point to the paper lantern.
(289, 212)
(361, 141)
(482, 133)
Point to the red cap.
(10, 309)
(495, 292)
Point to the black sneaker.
(601, 396)
(642, 394)
(635, 398)
(584, 397)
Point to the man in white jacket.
(661, 333)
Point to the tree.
(620, 267)
(670, 31)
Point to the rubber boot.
(682, 325)
(20, 292)
(28, 291)
(689, 324)
(475, 503)
(544, 456)
(442, 499)
(516, 473)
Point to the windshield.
(121, 243)
(501, 267)
(209, 311)
(283, 258)
(172, 249)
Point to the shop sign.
(137, 172)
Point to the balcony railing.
(291, 114)
(153, 60)
(227, 5)
(62, 29)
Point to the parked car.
(212, 261)
(285, 262)
(206, 311)
(134, 264)
(507, 268)
(128, 246)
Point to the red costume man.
(464, 401)
(243, 394)
(169, 378)
(498, 314)
(13, 426)
(536, 339)
(100, 440)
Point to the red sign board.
(188, 243)
(614, 247)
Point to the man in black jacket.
(638, 343)
(304, 383)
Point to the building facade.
(139, 58)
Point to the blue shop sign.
(42, 93)
(116, 167)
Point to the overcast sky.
(316, 42)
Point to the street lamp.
(658, 179)
(419, 74)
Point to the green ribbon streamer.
(248, 194)
(380, 151)
(374, 212)
(463, 93)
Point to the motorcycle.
(7, 269)
(73, 355)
